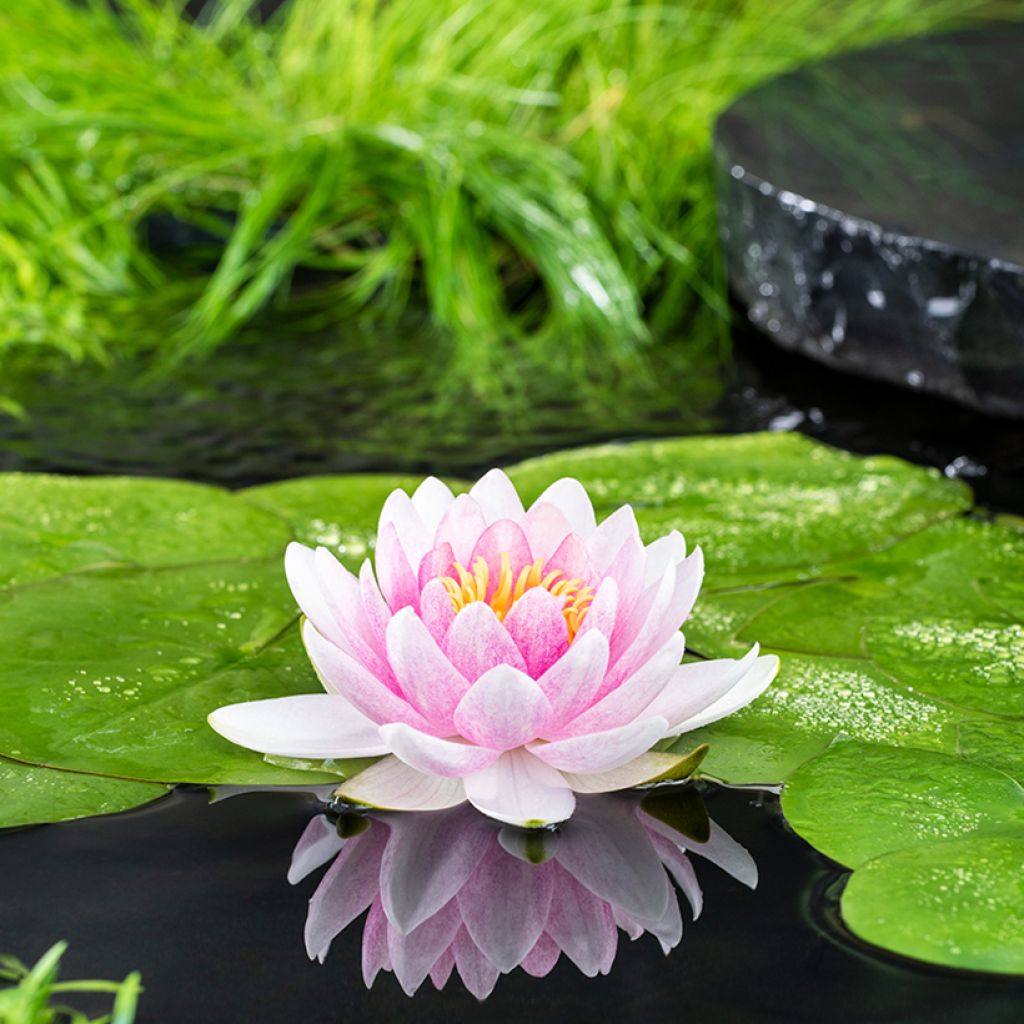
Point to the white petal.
(601, 751)
(571, 498)
(431, 500)
(316, 725)
(663, 552)
(754, 682)
(520, 790)
(413, 535)
(497, 497)
(318, 844)
(434, 756)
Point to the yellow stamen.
(463, 588)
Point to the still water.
(196, 895)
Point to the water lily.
(500, 655)
(452, 891)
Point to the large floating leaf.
(959, 903)
(857, 801)
(32, 796)
(51, 525)
(765, 507)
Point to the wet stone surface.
(872, 212)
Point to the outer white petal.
(663, 552)
(434, 756)
(431, 500)
(571, 498)
(317, 725)
(753, 683)
(318, 844)
(520, 790)
(497, 497)
(601, 751)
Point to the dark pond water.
(194, 895)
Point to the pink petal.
(436, 610)
(428, 679)
(503, 709)
(704, 691)
(318, 844)
(375, 944)
(540, 961)
(461, 527)
(603, 611)
(497, 497)
(669, 610)
(571, 498)
(398, 583)
(315, 725)
(630, 698)
(478, 974)
(346, 596)
(601, 751)
(413, 955)
(627, 569)
(399, 511)
(659, 554)
(393, 785)
(520, 790)
(433, 756)
(431, 500)
(477, 641)
(374, 607)
(538, 627)
(501, 537)
(346, 676)
(428, 859)
(572, 558)
(347, 889)
(607, 540)
(545, 527)
(582, 925)
(437, 563)
(572, 681)
(505, 906)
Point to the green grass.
(536, 173)
(29, 999)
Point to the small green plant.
(30, 998)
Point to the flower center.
(464, 588)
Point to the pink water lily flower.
(500, 655)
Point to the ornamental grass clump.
(537, 175)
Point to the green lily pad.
(115, 672)
(30, 795)
(765, 507)
(958, 903)
(994, 742)
(814, 701)
(857, 801)
(52, 525)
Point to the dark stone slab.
(872, 211)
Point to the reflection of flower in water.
(453, 890)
